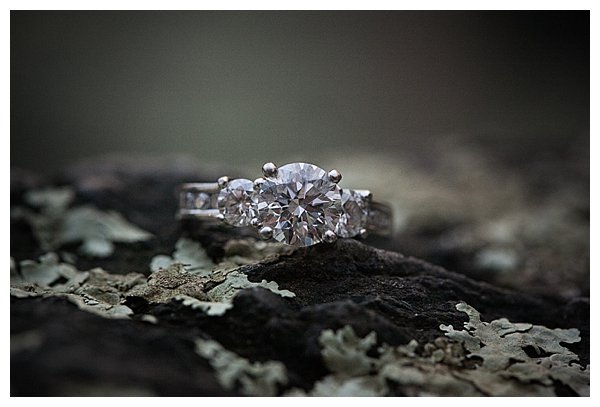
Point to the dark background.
(244, 87)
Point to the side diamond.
(194, 200)
(354, 216)
(235, 202)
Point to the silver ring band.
(298, 204)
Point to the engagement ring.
(298, 204)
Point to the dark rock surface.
(83, 354)
(56, 349)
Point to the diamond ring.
(298, 204)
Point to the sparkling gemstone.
(235, 202)
(195, 200)
(300, 204)
(354, 216)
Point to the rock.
(78, 353)
(349, 283)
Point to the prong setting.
(335, 176)
(223, 181)
(265, 233)
(329, 236)
(221, 217)
(269, 170)
(258, 182)
(363, 233)
(255, 222)
(365, 194)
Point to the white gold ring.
(298, 204)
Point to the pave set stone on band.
(298, 204)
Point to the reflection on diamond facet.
(195, 200)
(354, 216)
(299, 204)
(235, 202)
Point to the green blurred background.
(246, 87)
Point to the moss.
(54, 224)
(442, 368)
(233, 371)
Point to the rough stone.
(400, 298)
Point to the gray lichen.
(94, 291)
(189, 276)
(55, 224)
(190, 254)
(501, 346)
(209, 307)
(356, 373)
(236, 280)
(359, 368)
(44, 272)
(345, 353)
(233, 371)
(97, 230)
(250, 251)
(237, 252)
(168, 283)
(337, 386)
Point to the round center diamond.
(235, 202)
(300, 204)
